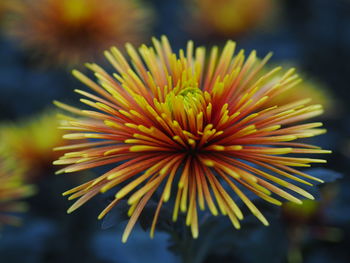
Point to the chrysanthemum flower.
(12, 189)
(196, 131)
(230, 17)
(30, 142)
(68, 31)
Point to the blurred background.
(41, 41)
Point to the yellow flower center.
(188, 99)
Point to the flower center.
(188, 99)
(191, 96)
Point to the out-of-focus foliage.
(310, 221)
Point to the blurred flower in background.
(201, 126)
(229, 18)
(31, 142)
(307, 88)
(70, 31)
(12, 189)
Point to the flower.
(69, 31)
(12, 189)
(30, 142)
(196, 131)
(230, 17)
